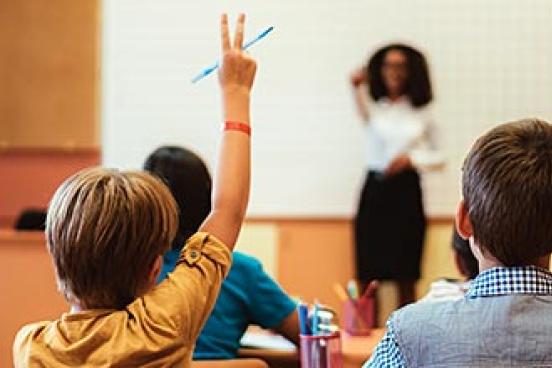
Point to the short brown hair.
(104, 230)
(507, 189)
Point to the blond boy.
(106, 232)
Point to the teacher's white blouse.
(395, 128)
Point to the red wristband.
(240, 127)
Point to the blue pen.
(247, 45)
(303, 318)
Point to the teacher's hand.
(358, 77)
(399, 164)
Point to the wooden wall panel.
(30, 177)
(49, 73)
(313, 255)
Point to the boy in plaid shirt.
(506, 213)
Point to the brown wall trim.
(6, 222)
(432, 220)
(6, 150)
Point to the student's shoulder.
(33, 329)
(418, 323)
(29, 333)
(421, 311)
(246, 260)
(246, 264)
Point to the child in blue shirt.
(248, 295)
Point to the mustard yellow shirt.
(158, 329)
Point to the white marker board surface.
(491, 62)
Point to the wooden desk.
(356, 350)
(274, 358)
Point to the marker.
(352, 288)
(303, 313)
(370, 289)
(314, 326)
(340, 292)
(205, 72)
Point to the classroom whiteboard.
(491, 62)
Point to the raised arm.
(358, 82)
(232, 174)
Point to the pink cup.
(321, 351)
(358, 316)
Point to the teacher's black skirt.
(390, 227)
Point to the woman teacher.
(390, 222)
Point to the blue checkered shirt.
(492, 282)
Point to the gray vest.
(497, 331)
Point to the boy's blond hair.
(104, 231)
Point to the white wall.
(491, 62)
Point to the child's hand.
(237, 72)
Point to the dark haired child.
(504, 319)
